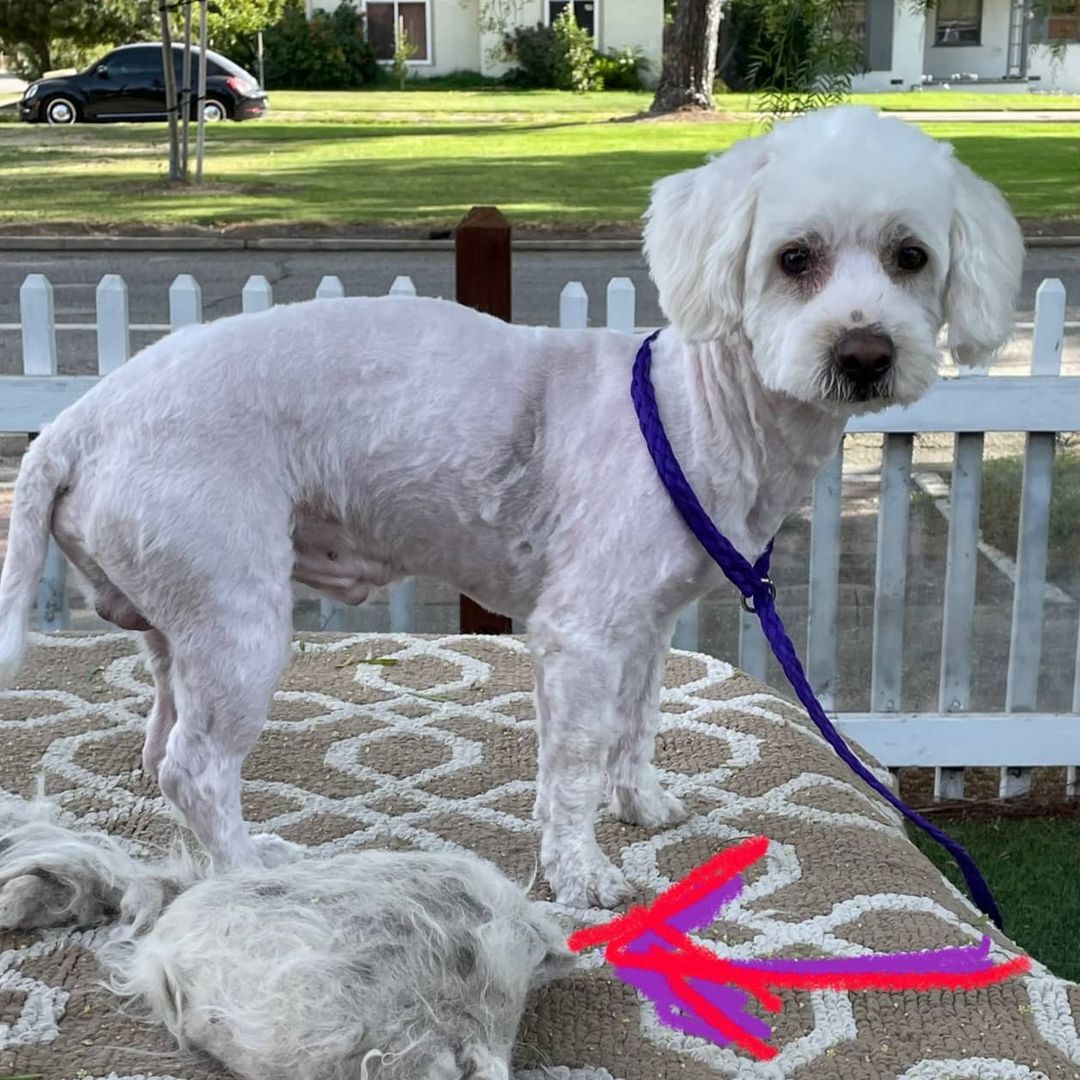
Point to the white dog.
(400, 965)
(806, 274)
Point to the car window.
(135, 62)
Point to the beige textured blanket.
(438, 750)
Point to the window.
(959, 22)
(383, 19)
(126, 62)
(849, 22)
(584, 13)
(1063, 22)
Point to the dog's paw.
(588, 881)
(273, 851)
(653, 807)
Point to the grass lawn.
(423, 157)
(1030, 865)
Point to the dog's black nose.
(863, 356)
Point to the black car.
(129, 84)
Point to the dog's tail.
(44, 472)
(52, 875)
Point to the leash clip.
(747, 601)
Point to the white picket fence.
(1039, 405)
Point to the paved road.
(538, 280)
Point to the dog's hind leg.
(224, 673)
(159, 725)
(634, 787)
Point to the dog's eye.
(795, 261)
(911, 258)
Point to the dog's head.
(838, 244)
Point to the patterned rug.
(399, 742)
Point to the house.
(459, 35)
(1008, 44)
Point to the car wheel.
(61, 110)
(214, 110)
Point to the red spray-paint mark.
(701, 994)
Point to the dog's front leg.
(634, 788)
(577, 682)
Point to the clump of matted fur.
(387, 965)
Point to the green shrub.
(327, 52)
(531, 49)
(575, 57)
(621, 69)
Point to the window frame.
(428, 5)
(596, 17)
(939, 44)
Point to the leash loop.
(750, 603)
(758, 596)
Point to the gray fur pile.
(387, 965)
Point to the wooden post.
(482, 266)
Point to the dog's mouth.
(836, 389)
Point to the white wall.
(1062, 75)
(530, 13)
(634, 24)
(988, 60)
(456, 43)
(909, 30)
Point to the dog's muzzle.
(863, 358)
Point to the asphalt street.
(539, 277)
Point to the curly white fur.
(381, 964)
(348, 444)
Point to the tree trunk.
(170, 95)
(41, 48)
(690, 58)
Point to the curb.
(345, 243)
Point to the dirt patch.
(686, 115)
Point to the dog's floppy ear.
(696, 234)
(984, 271)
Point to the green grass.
(968, 101)
(1000, 515)
(1030, 865)
(424, 157)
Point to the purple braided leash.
(753, 582)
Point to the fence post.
(890, 578)
(482, 270)
(1025, 642)
(185, 302)
(38, 325)
(824, 601)
(403, 593)
(113, 337)
(573, 306)
(39, 358)
(334, 615)
(621, 301)
(330, 288)
(257, 295)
